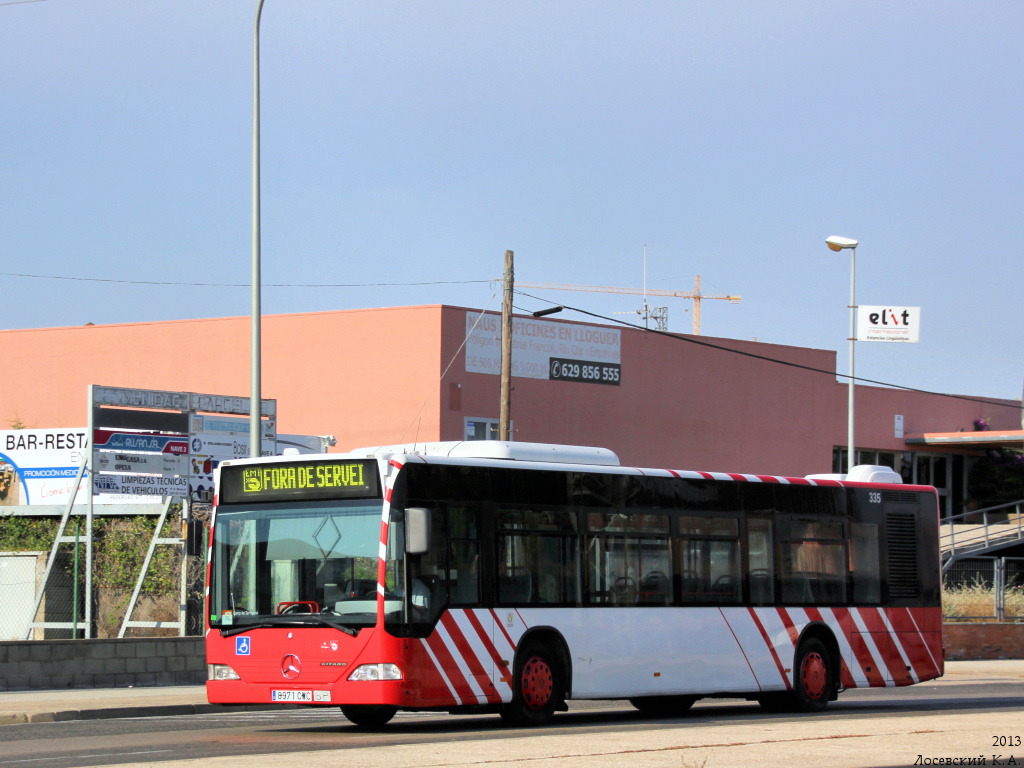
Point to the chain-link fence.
(984, 588)
(169, 601)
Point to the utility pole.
(504, 420)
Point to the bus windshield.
(275, 563)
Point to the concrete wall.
(39, 664)
(975, 641)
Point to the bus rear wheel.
(815, 676)
(663, 706)
(537, 687)
(369, 715)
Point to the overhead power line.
(239, 285)
(768, 359)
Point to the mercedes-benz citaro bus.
(512, 577)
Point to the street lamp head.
(837, 243)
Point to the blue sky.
(413, 142)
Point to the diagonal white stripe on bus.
(895, 639)
(482, 651)
(440, 671)
(453, 649)
(877, 658)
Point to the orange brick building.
(380, 376)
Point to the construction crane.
(696, 294)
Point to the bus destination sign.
(281, 481)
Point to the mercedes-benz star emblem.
(290, 666)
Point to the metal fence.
(166, 601)
(984, 588)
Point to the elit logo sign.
(888, 323)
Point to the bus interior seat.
(655, 587)
(760, 588)
(690, 585)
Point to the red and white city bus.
(511, 577)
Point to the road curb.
(107, 713)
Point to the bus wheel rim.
(537, 683)
(813, 675)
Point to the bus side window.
(628, 559)
(709, 560)
(761, 561)
(864, 563)
(813, 568)
(464, 561)
(537, 556)
(428, 588)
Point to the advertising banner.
(140, 485)
(142, 463)
(39, 466)
(888, 323)
(229, 425)
(542, 349)
(104, 439)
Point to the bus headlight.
(376, 672)
(221, 672)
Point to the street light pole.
(838, 244)
(255, 399)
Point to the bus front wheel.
(368, 715)
(537, 687)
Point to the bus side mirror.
(417, 530)
(194, 530)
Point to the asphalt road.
(872, 727)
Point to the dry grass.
(977, 601)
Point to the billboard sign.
(104, 439)
(230, 425)
(177, 401)
(140, 485)
(144, 463)
(39, 466)
(226, 446)
(888, 323)
(543, 349)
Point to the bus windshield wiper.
(279, 621)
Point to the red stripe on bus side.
(463, 690)
(787, 621)
(874, 623)
(465, 650)
(913, 643)
(859, 648)
(485, 638)
(771, 648)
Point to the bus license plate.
(293, 696)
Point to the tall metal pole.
(851, 456)
(89, 513)
(255, 436)
(504, 415)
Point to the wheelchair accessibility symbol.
(241, 646)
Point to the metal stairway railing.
(972, 533)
